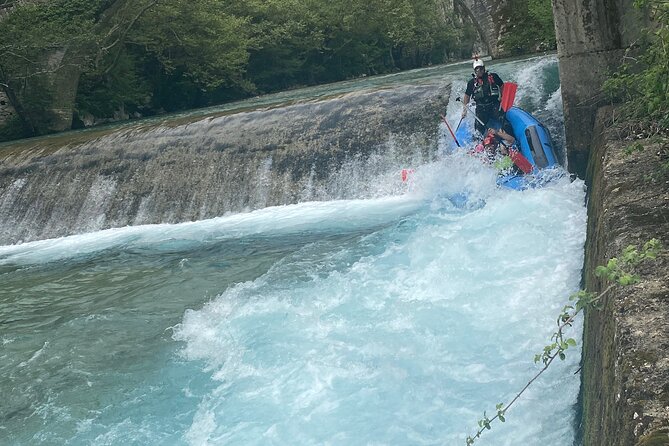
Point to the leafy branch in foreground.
(618, 271)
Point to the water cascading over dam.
(196, 169)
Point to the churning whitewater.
(391, 320)
(404, 336)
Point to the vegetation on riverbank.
(619, 271)
(642, 83)
(145, 57)
(531, 30)
(642, 87)
(127, 58)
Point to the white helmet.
(478, 63)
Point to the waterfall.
(177, 171)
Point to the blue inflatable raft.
(533, 141)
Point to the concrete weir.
(169, 173)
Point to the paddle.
(458, 127)
(508, 95)
(472, 111)
(451, 130)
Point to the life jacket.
(486, 92)
(489, 139)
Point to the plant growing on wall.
(618, 271)
(642, 82)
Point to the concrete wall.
(625, 376)
(625, 373)
(592, 37)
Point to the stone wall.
(626, 343)
(592, 37)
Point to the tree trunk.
(18, 108)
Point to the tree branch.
(124, 34)
(612, 271)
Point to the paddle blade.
(520, 161)
(508, 95)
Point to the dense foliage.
(642, 83)
(30, 32)
(532, 28)
(151, 56)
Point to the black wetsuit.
(486, 91)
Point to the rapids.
(387, 318)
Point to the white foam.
(341, 215)
(445, 320)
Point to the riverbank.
(625, 375)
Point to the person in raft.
(486, 90)
(491, 143)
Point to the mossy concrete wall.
(592, 38)
(626, 343)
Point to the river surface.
(397, 319)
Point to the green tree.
(176, 54)
(642, 82)
(37, 40)
(532, 28)
(286, 42)
(150, 56)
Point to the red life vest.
(489, 139)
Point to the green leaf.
(601, 271)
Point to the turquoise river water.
(393, 320)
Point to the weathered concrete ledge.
(626, 344)
(592, 38)
(176, 172)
